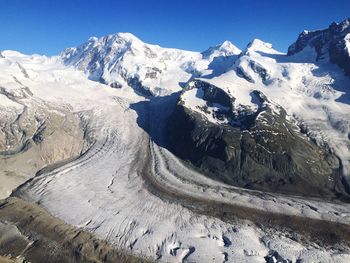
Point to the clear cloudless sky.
(49, 26)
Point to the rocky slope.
(258, 148)
(35, 130)
(34, 133)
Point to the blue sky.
(49, 26)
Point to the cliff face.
(333, 42)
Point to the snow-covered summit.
(259, 46)
(110, 46)
(123, 60)
(223, 50)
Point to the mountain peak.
(224, 49)
(229, 46)
(106, 44)
(111, 39)
(92, 39)
(119, 39)
(128, 37)
(257, 44)
(340, 26)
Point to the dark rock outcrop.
(260, 70)
(136, 84)
(256, 148)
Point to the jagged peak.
(334, 27)
(127, 37)
(340, 26)
(117, 41)
(330, 34)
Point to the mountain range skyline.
(48, 28)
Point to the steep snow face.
(46, 77)
(123, 60)
(260, 46)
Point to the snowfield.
(129, 190)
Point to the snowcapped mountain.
(305, 75)
(158, 150)
(313, 93)
(123, 60)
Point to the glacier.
(128, 189)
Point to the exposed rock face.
(34, 134)
(256, 148)
(256, 68)
(333, 41)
